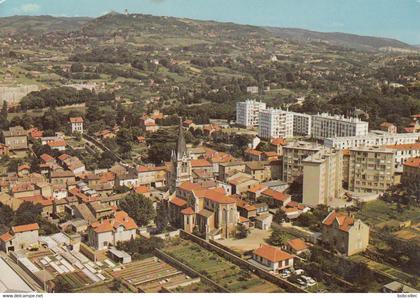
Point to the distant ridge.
(45, 24)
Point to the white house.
(102, 234)
(76, 124)
(273, 258)
(20, 237)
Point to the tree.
(77, 67)
(278, 238)
(27, 213)
(242, 231)
(6, 215)
(162, 219)
(139, 208)
(280, 216)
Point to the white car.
(309, 280)
(299, 271)
(301, 282)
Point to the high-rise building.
(371, 170)
(322, 177)
(329, 126)
(302, 124)
(247, 113)
(293, 155)
(374, 138)
(275, 123)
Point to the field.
(218, 269)
(377, 212)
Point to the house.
(62, 177)
(103, 233)
(273, 258)
(258, 170)
(152, 175)
(72, 163)
(4, 150)
(76, 124)
(388, 127)
(245, 209)
(345, 234)
(270, 156)
(253, 155)
(397, 287)
(23, 170)
(20, 237)
(58, 144)
(227, 169)
(411, 171)
(129, 179)
(263, 221)
(149, 124)
(277, 144)
(277, 198)
(35, 133)
(241, 183)
(255, 191)
(16, 138)
(297, 246)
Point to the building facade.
(16, 138)
(328, 126)
(345, 234)
(275, 123)
(293, 155)
(371, 170)
(322, 177)
(76, 125)
(375, 138)
(247, 113)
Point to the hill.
(340, 39)
(40, 24)
(140, 24)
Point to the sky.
(399, 19)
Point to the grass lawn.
(218, 269)
(378, 211)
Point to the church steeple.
(181, 145)
(181, 162)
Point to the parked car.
(285, 273)
(301, 282)
(309, 280)
(299, 272)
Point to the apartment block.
(371, 170)
(247, 113)
(404, 152)
(302, 124)
(275, 123)
(322, 177)
(374, 138)
(293, 155)
(328, 126)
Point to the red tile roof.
(121, 218)
(46, 157)
(344, 221)
(189, 186)
(76, 120)
(413, 162)
(253, 152)
(187, 211)
(178, 202)
(415, 146)
(6, 237)
(297, 244)
(57, 143)
(278, 142)
(272, 253)
(257, 187)
(215, 196)
(200, 163)
(142, 189)
(25, 228)
(275, 195)
(38, 199)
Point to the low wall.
(286, 285)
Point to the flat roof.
(10, 282)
